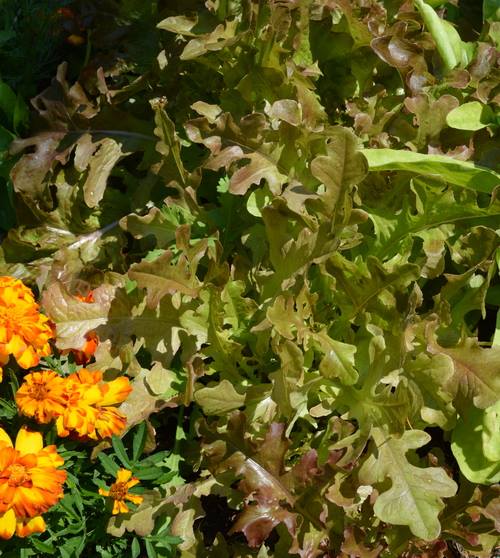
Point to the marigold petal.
(123, 475)
(89, 297)
(62, 431)
(134, 498)
(16, 346)
(4, 338)
(28, 441)
(84, 376)
(45, 350)
(6, 494)
(25, 528)
(109, 422)
(5, 438)
(49, 457)
(28, 502)
(83, 355)
(92, 395)
(7, 524)
(79, 417)
(132, 482)
(119, 507)
(7, 456)
(28, 358)
(48, 480)
(115, 392)
(29, 460)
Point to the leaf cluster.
(289, 217)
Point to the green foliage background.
(288, 211)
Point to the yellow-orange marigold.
(85, 354)
(24, 332)
(119, 491)
(30, 482)
(42, 396)
(89, 410)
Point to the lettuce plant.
(289, 220)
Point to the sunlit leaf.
(73, 317)
(454, 171)
(406, 502)
(470, 116)
(475, 440)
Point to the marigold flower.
(109, 422)
(80, 413)
(119, 491)
(30, 482)
(42, 396)
(84, 355)
(89, 408)
(89, 297)
(24, 332)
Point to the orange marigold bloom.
(83, 355)
(89, 297)
(24, 332)
(80, 413)
(119, 491)
(42, 396)
(30, 482)
(89, 408)
(109, 422)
